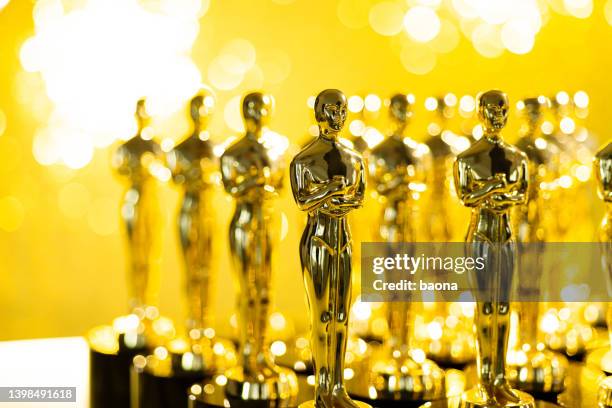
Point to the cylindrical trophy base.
(474, 398)
(456, 402)
(214, 394)
(538, 372)
(109, 378)
(311, 404)
(153, 391)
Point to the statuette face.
(330, 111)
(493, 110)
(257, 109)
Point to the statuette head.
(493, 110)
(257, 108)
(330, 111)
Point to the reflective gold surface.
(134, 162)
(398, 167)
(603, 175)
(491, 177)
(328, 181)
(529, 366)
(252, 173)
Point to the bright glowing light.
(104, 72)
(562, 98)
(372, 102)
(278, 348)
(517, 37)
(422, 23)
(450, 99)
(386, 18)
(579, 8)
(486, 39)
(581, 99)
(355, 103)
(277, 321)
(467, 104)
(431, 104)
(567, 125)
(3, 3)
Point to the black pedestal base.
(109, 379)
(151, 391)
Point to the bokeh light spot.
(422, 23)
(486, 39)
(386, 18)
(418, 60)
(448, 38)
(517, 37)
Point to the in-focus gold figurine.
(491, 177)
(603, 175)
(135, 161)
(328, 182)
(252, 171)
(531, 367)
(398, 167)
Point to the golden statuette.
(398, 167)
(603, 175)
(328, 182)
(252, 171)
(136, 160)
(491, 177)
(531, 367)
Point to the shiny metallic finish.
(253, 174)
(398, 167)
(193, 165)
(491, 177)
(328, 182)
(134, 161)
(545, 370)
(603, 175)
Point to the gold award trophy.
(112, 348)
(397, 167)
(491, 177)
(166, 375)
(252, 172)
(603, 174)
(328, 182)
(531, 367)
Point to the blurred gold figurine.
(491, 177)
(397, 166)
(328, 182)
(136, 160)
(193, 165)
(603, 174)
(531, 367)
(252, 171)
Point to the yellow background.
(58, 277)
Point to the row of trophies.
(136, 362)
